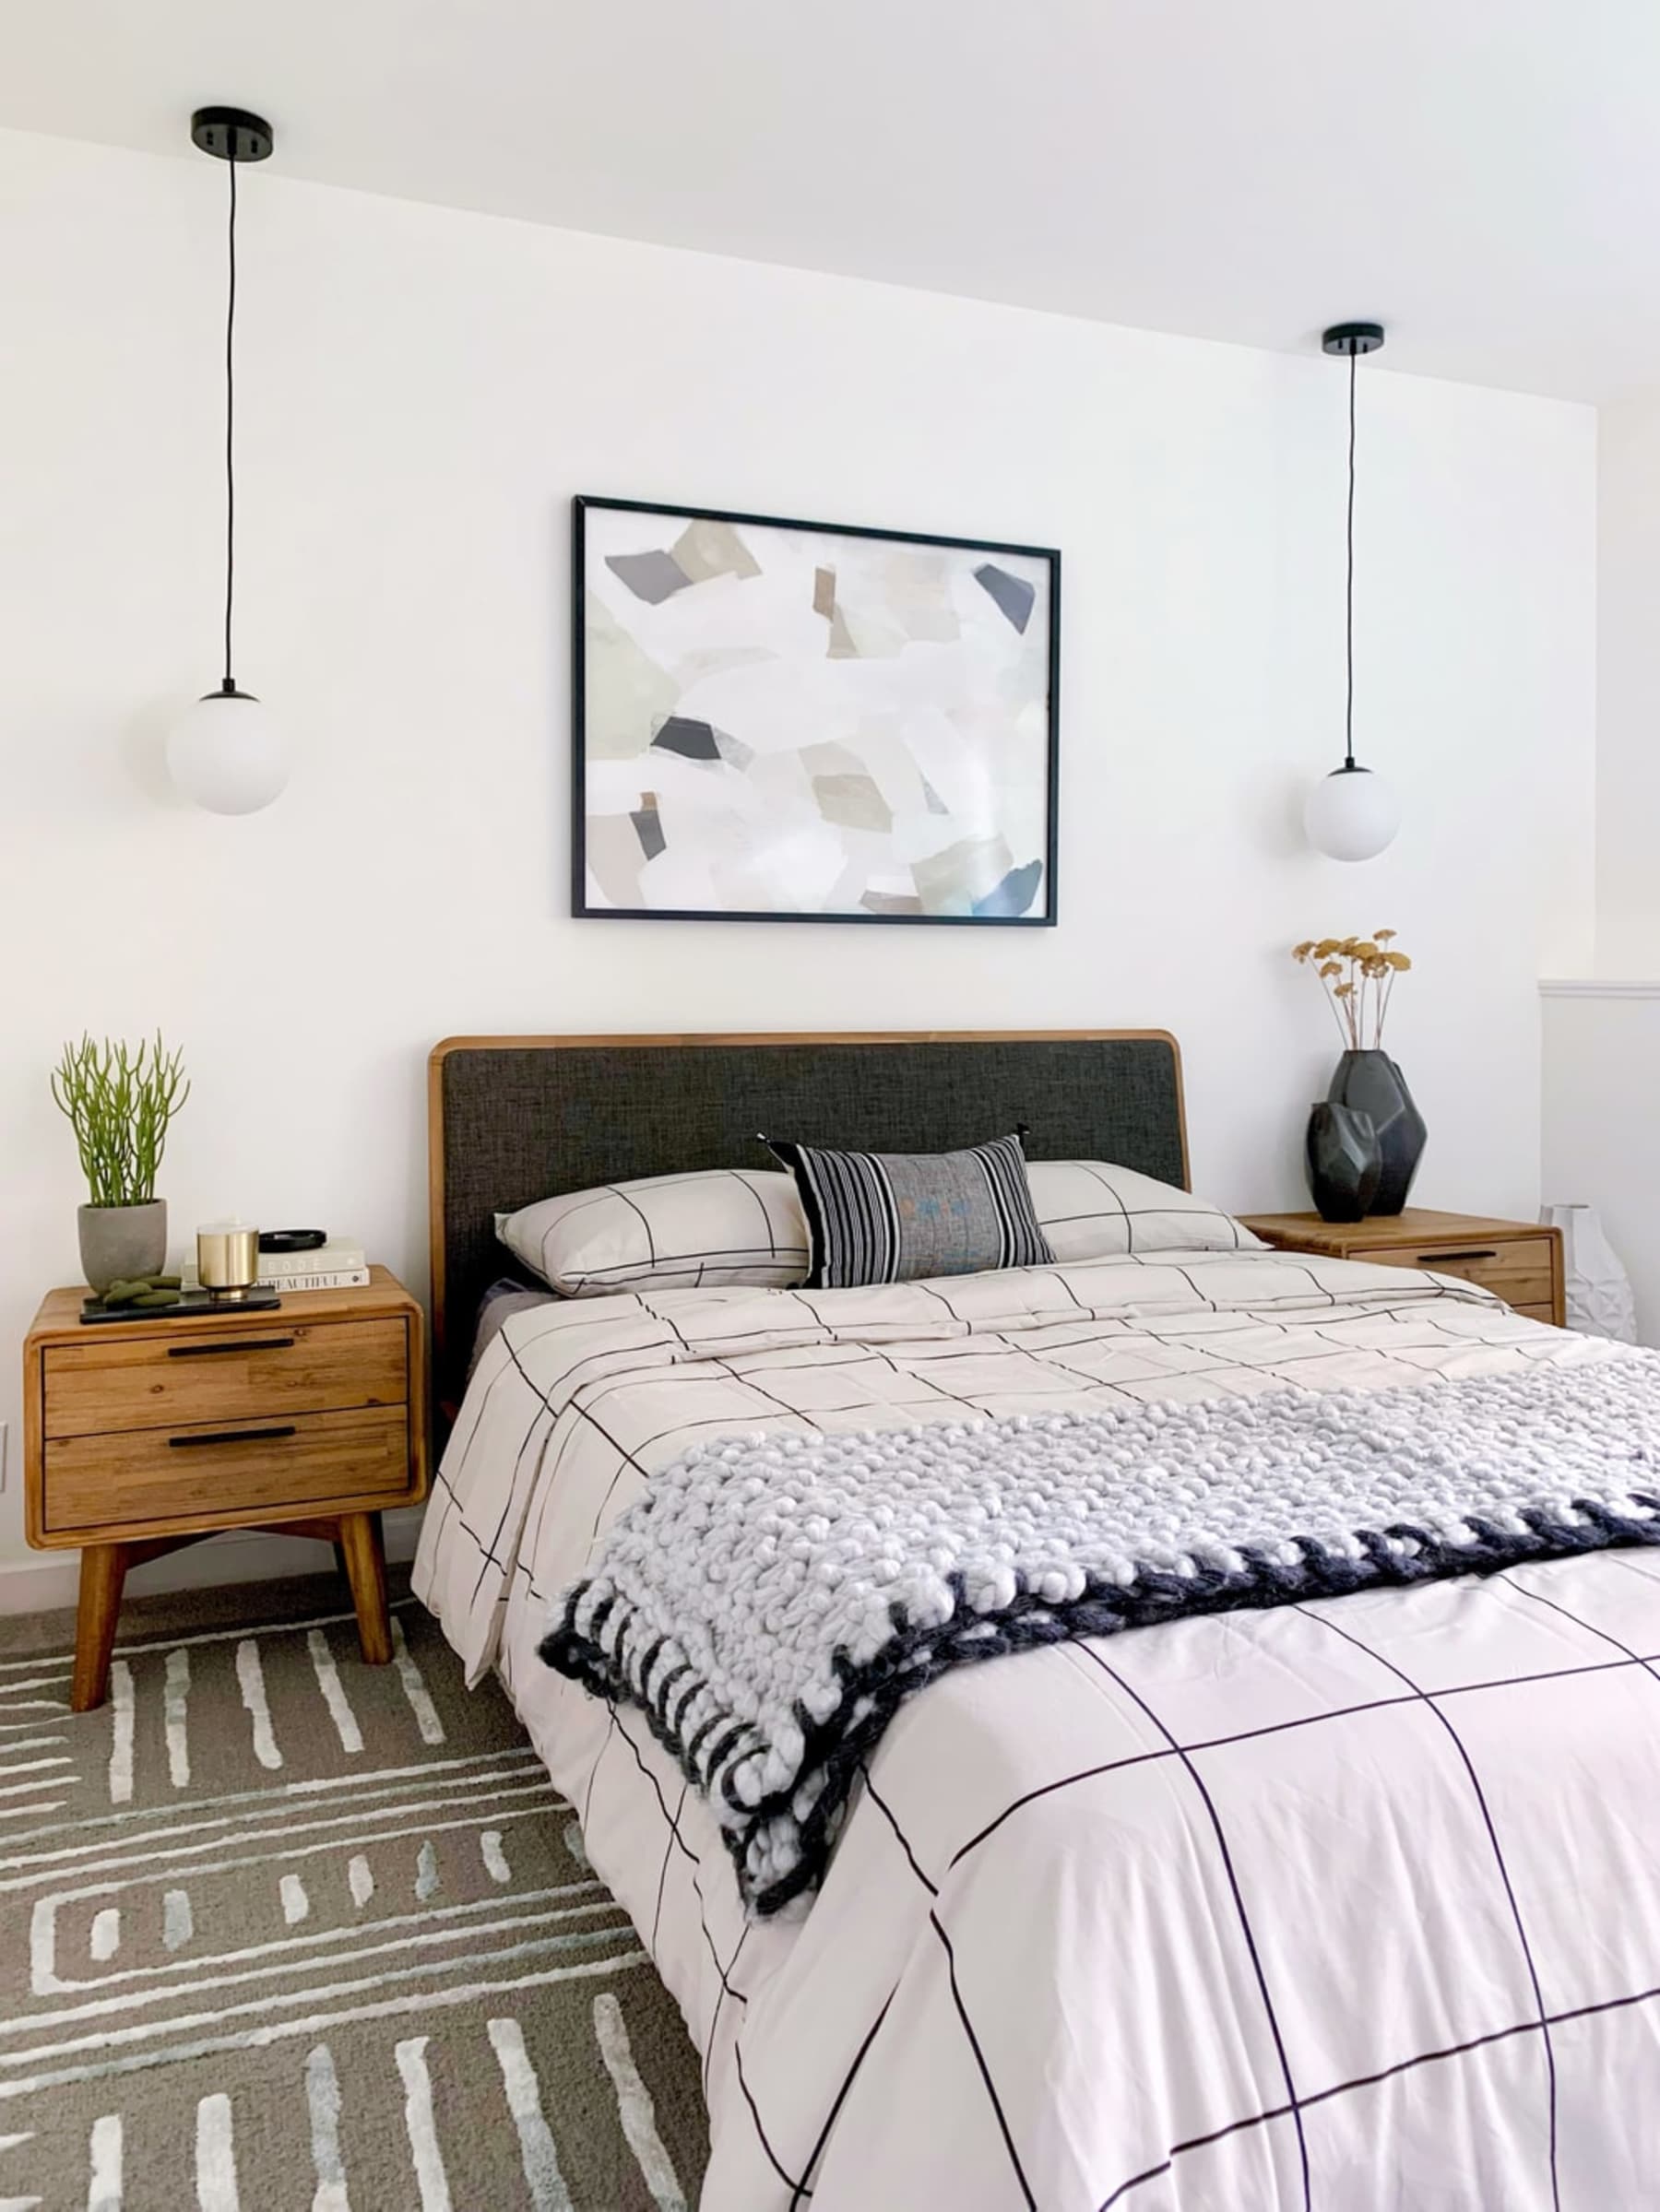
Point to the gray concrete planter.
(120, 1241)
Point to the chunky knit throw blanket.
(771, 1601)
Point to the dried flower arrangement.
(1357, 975)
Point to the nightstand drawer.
(143, 1382)
(205, 1470)
(1518, 1269)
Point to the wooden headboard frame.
(545, 1102)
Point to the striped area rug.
(283, 1933)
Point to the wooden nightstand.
(139, 1436)
(1518, 1260)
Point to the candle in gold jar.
(227, 1260)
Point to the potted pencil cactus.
(120, 1102)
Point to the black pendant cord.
(230, 683)
(1348, 709)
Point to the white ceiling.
(1483, 175)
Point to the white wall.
(1627, 713)
(420, 394)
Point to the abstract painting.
(790, 721)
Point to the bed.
(1346, 1903)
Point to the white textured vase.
(1599, 1291)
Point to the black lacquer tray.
(189, 1302)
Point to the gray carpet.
(283, 1933)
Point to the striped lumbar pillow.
(898, 1217)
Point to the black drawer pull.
(235, 1344)
(1434, 1258)
(235, 1436)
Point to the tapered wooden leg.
(360, 1540)
(102, 1572)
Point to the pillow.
(896, 1217)
(722, 1226)
(504, 1297)
(1088, 1210)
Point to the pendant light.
(226, 751)
(1351, 814)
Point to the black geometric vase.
(1372, 1085)
(1343, 1160)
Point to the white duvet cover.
(1350, 1904)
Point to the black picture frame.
(580, 506)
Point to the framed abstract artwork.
(804, 722)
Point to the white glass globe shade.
(1351, 814)
(226, 751)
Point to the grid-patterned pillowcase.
(1090, 1209)
(900, 1217)
(719, 1226)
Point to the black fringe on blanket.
(873, 1694)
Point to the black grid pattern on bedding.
(523, 1122)
(1006, 2182)
(1222, 1754)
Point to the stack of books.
(340, 1264)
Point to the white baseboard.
(43, 1584)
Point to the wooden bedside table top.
(60, 1312)
(1417, 1225)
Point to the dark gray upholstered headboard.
(512, 1120)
